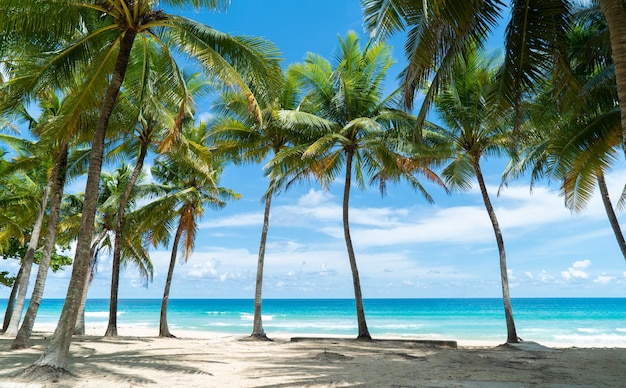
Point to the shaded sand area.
(216, 360)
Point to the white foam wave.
(250, 317)
(100, 314)
(587, 330)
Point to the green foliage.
(17, 251)
(5, 280)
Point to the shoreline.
(126, 330)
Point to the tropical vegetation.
(106, 92)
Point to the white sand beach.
(200, 359)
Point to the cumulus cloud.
(603, 279)
(576, 270)
(202, 270)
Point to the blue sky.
(405, 247)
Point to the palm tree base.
(258, 337)
(17, 346)
(45, 373)
(167, 335)
(364, 337)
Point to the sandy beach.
(202, 359)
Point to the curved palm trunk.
(610, 212)
(615, 14)
(11, 302)
(504, 277)
(117, 248)
(364, 333)
(54, 360)
(163, 329)
(59, 174)
(27, 263)
(257, 328)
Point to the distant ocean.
(557, 321)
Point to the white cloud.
(603, 279)
(238, 220)
(576, 270)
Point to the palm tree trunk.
(257, 328)
(163, 329)
(504, 277)
(54, 360)
(11, 302)
(610, 212)
(79, 327)
(27, 263)
(59, 174)
(364, 333)
(615, 14)
(117, 247)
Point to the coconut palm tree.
(58, 178)
(361, 127)
(160, 106)
(576, 132)
(476, 129)
(109, 30)
(240, 135)
(40, 170)
(189, 183)
(440, 32)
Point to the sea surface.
(581, 322)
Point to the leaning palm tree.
(358, 128)
(101, 54)
(576, 130)
(37, 165)
(189, 183)
(440, 32)
(476, 129)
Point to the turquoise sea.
(557, 321)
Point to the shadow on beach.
(226, 361)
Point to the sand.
(200, 359)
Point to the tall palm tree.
(240, 134)
(361, 127)
(40, 170)
(117, 194)
(160, 106)
(58, 178)
(440, 32)
(476, 129)
(189, 184)
(109, 30)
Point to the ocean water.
(556, 321)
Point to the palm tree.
(117, 195)
(237, 132)
(576, 132)
(189, 183)
(58, 179)
(102, 53)
(148, 96)
(29, 257)
(442, 31)
(476, 129)
(361, 127)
